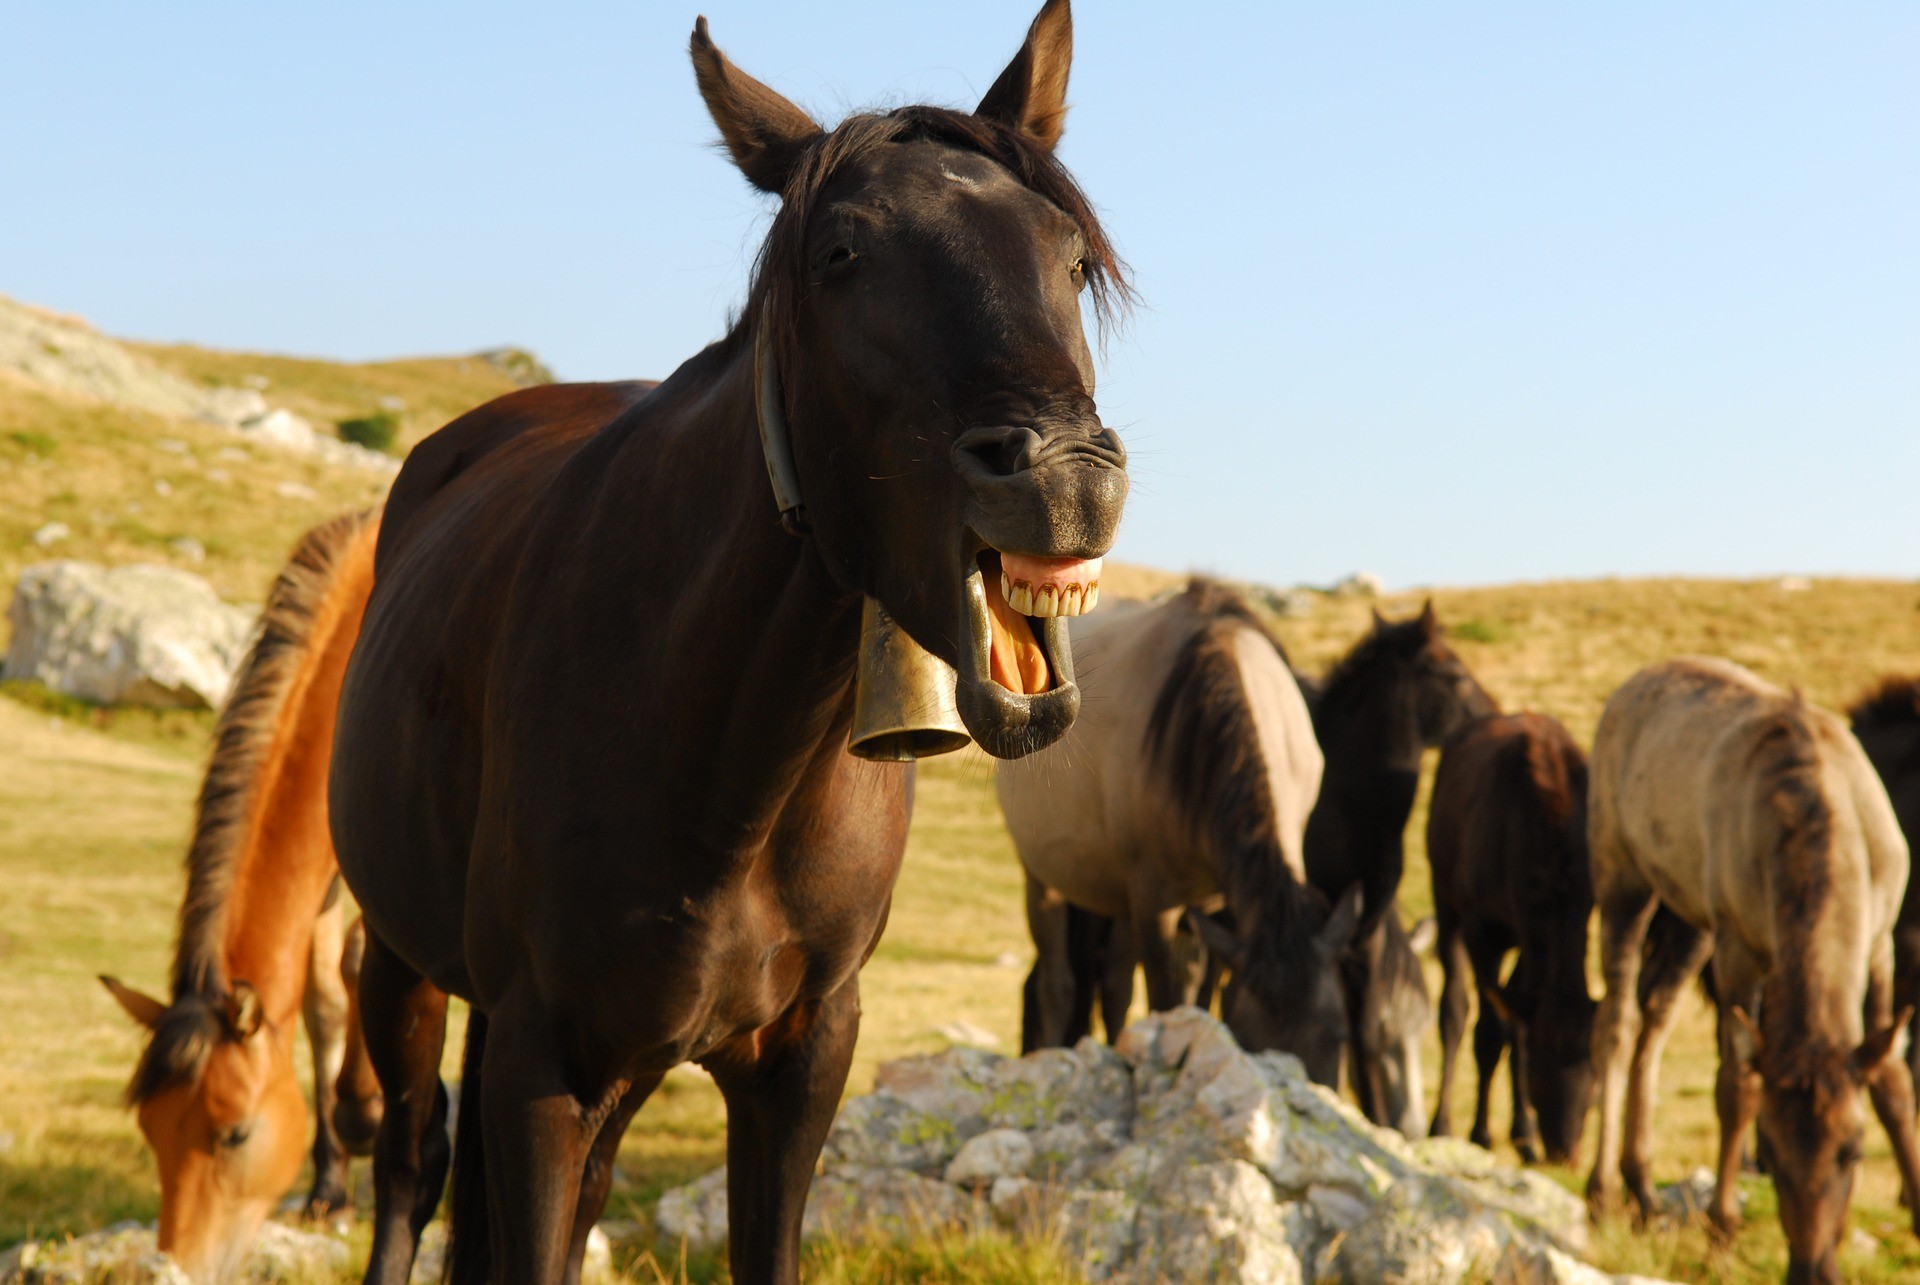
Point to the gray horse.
(1187, 782)
(1759, 822)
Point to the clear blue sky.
(1455, 292)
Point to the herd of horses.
(570, 717)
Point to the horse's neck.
(1820, 953)
(1369, 733)
(286, 864)
(764, 636)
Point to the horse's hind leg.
(1677, 951)
(404, 1022)
(1492, 1033)
(357, 1104)
(1117, 972)
(324, 1008)
(1455, 968)
(780, 1104)
(1890, 1083)
(1626, 908)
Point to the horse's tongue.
(1018, 663)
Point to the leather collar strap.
(776, 442)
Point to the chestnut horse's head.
(917, 321)
(220, 1104)
(1812, 1128)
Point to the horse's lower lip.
(1006, 723)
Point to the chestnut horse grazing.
(591, 771)
(1187, 780)
(1755, 818)
(1507, 840)
(260, 931)
(1887, 721)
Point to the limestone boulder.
(144, 635)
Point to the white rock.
(1544, 1265)
(1175, 1157)
(51, 534)
(296, 491)
(137, 634)
(189, 548)
(997, 1153)
(1361, 584)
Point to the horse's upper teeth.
(1050, 599)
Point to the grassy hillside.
(94, 810)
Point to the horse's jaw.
(1005, 723)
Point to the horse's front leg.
(1680, 950)
(1890, 1082)
(782, 1087)
(538, 1125)
(1737, 977)
(1625, 911)
(324, 1010)
(1050, 994)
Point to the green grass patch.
(1482, 631)
(377, 432)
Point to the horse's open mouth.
(1017, 692)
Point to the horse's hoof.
(1481, 1138)
(1722, 1225)
(1529, 1152)
(1600, 1200)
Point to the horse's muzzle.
(1048, 491)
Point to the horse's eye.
(1079, 274)
(838, 258)
(234, 1136)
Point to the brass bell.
(903, 696)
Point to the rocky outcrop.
(126, 1254)
(66, 354)
(144, 635)
(1173, 1156)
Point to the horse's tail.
(469, 1251)
(323, 587)
(1204, 744)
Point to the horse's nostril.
(1004, 450)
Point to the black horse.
(1887, 722)
(591, 766)
(1507, 839)
(1400, 691)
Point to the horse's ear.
(142, 1008)
(765, 134)
(1031, 94)
(1429, 622)
(1379, 621)
(1425, 936)
(1337, 934)
(243, 1010)
(1218, 939)
(1874, 1049)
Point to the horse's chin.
(1005, 723)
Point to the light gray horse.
(1186, 782)
(1759, 822)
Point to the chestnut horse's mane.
(243, 740)
(782, 274)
